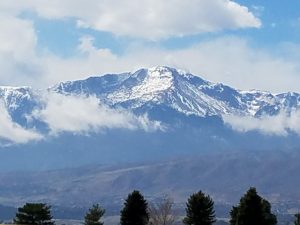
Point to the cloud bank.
(73, 114)
(148, 19)
(239, 64)
(280, 124)
(81, 115)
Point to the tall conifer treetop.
(34, 214)
(199, 210)
(251, 210)
(94, 215)
(135, 211)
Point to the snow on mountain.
(159, 86)
(14, 96)
(181, 91)
(19, 102)
(166, 111)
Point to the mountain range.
(181, 91)
(160, 130)
(149, 114)
(160, 86)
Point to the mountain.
(160, 130)
(148, 115)
(224, 177)
(178, 90)
(159, 86)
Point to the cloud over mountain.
(123, 101)
(11, 131)
(82, 115)
(29, 62)
(280, 124)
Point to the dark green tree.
(94, 215)
(34, 214)
(297, 219)
(252, 209)
(199, 210)
(135, 211)
(233, 215)
(269, 217)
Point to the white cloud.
(12, 132)
(12, 28)
(17, 50)
(238, 64)
(73, 114)
(279, 124)
(230, 60)
(79, 114)
(150, 19)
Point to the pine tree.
(269, 217)
(199, 210)
(297, 219)
(252, 209)
(233, 215)
(94, 215)
(135, 211)
(34, 214)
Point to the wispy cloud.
(280, 124)
(81, 115)
(239, 65)
(11, 132)
(73, 114)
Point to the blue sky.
(246, 44)
(280, 24)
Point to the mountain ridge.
(108, 118)
(197, 150)
(182, 91)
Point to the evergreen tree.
(269, 217)
(252, 209)
(199, 210)
(135, 211)
(233, 215)
(297, 219)
(34, 214)
(94, 215)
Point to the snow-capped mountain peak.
(179, 90)
(160, 86)
(144, 85)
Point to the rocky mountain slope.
(149, 114)
(163, 86)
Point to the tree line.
(252, 209)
